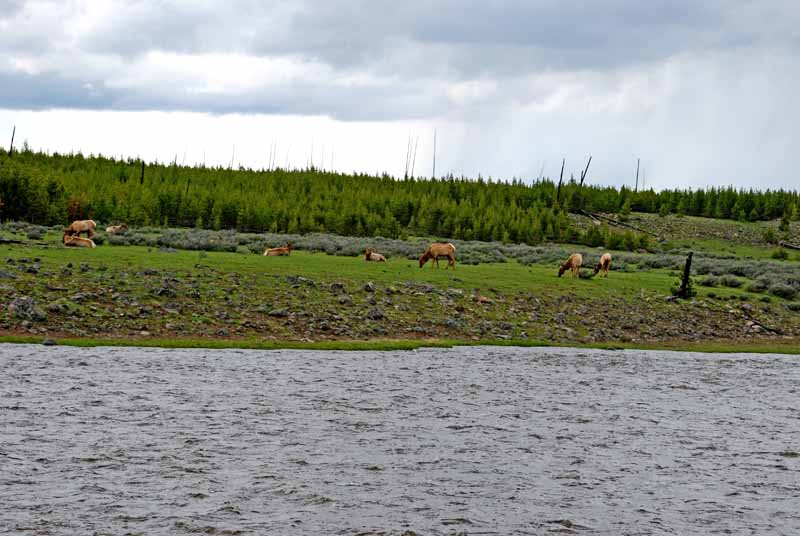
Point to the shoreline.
(767, 346)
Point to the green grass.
(510, 276)
(788, 347)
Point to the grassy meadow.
(185, 287)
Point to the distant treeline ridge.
(52, 189)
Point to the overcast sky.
(706, 93)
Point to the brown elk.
(439, 249)
(78, 242)
(117, 229)
(278, 252)
(573, 264)
(371, 255)
(81, 226)
(604, 265)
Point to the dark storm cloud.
(49, 90)
(426, 45)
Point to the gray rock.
(49, 342)
(278, 313)
(26, 308)
(7, 275)
(371, 300)
(84, 267)
(369, 287)
(165, 291)
(337, 288)
(375, 314)
(345, 300)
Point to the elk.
(81, 226)
(278, 252)
(604, 265)
(371, 255)
(117, 229)
(573, 264)
(439, 249)
(78, 242)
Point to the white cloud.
(703, 92)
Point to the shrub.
(783, 290)
(769, 236)
(765, 299)
(757, 286)
(793, 306)
(731, 281)
(35, 233)
(614, 241)
(780, 254)
(709, 281)
(711, 294)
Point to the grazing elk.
(573, 264)
(370, 255)
(604, 265)
(81, 226)
(439, 249)
(278, 252)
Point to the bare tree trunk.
(683, 291)
(408, 156)
(414, 161)
(433, 175)
(636, 188)
(585, 171)
(141, 177)
(560, 180)
(11, 147)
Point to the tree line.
(56, 188)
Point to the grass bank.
(788, 347)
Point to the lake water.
(458, 441)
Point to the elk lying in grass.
(117, 229)
(370, 255)
(439, 249)
(78, 242)
(573, 264)
(604, 265)
(279, 252)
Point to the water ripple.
(458, 441)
